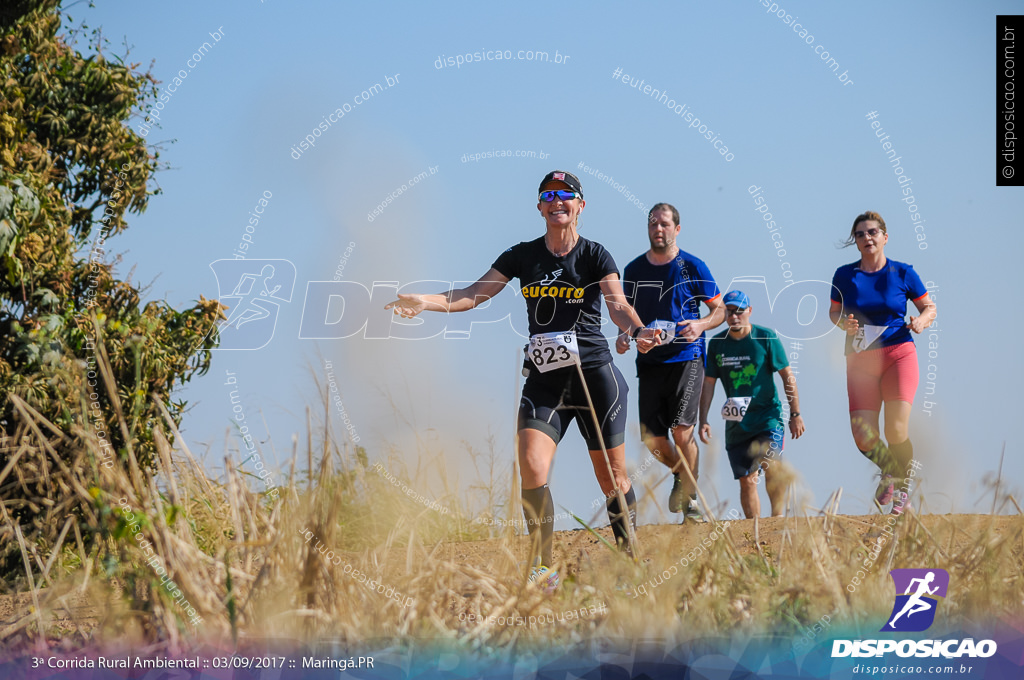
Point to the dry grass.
(257, 566)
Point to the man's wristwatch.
(794, 415)
(637, 331)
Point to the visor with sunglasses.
(563, 195)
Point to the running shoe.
(898, 502)
(886, 489)
(692, 513)
(546, 579)
(677, 497)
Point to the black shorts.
(669, 395)
(551, 401)
(746, 456)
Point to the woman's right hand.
(407, 305)
(622, 343)
(852, 325)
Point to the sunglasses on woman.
(548, 196)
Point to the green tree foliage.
(71, 173)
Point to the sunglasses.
(733, 310)
(870, 232)
(561, 194)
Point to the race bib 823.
(549, 351)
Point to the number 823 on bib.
(549, 351)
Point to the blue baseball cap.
(736, 298)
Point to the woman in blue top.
(869, 301)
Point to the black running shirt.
(563, 293)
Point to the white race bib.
(735, 408)
(867, 335)
(668, 328)
(549, 351)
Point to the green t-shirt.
(747, 369)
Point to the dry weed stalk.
(350, 557)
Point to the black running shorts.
(747, 456)
(551, 400)
(669, 395)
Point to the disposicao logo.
(914, 610)
(918, 593)
(258, 289)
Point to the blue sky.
(794, 129)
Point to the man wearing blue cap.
(665, 286)
(745, 358)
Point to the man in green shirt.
(745, 358)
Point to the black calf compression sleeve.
(538, 508)
(618, 520)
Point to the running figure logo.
(914, 610)
(258, 288)
(554, 276)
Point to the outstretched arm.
(456, 300)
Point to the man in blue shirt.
(665, 286)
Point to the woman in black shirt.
(562, 277)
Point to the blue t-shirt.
(669, 292)
(878, 299)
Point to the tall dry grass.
(281, 565)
